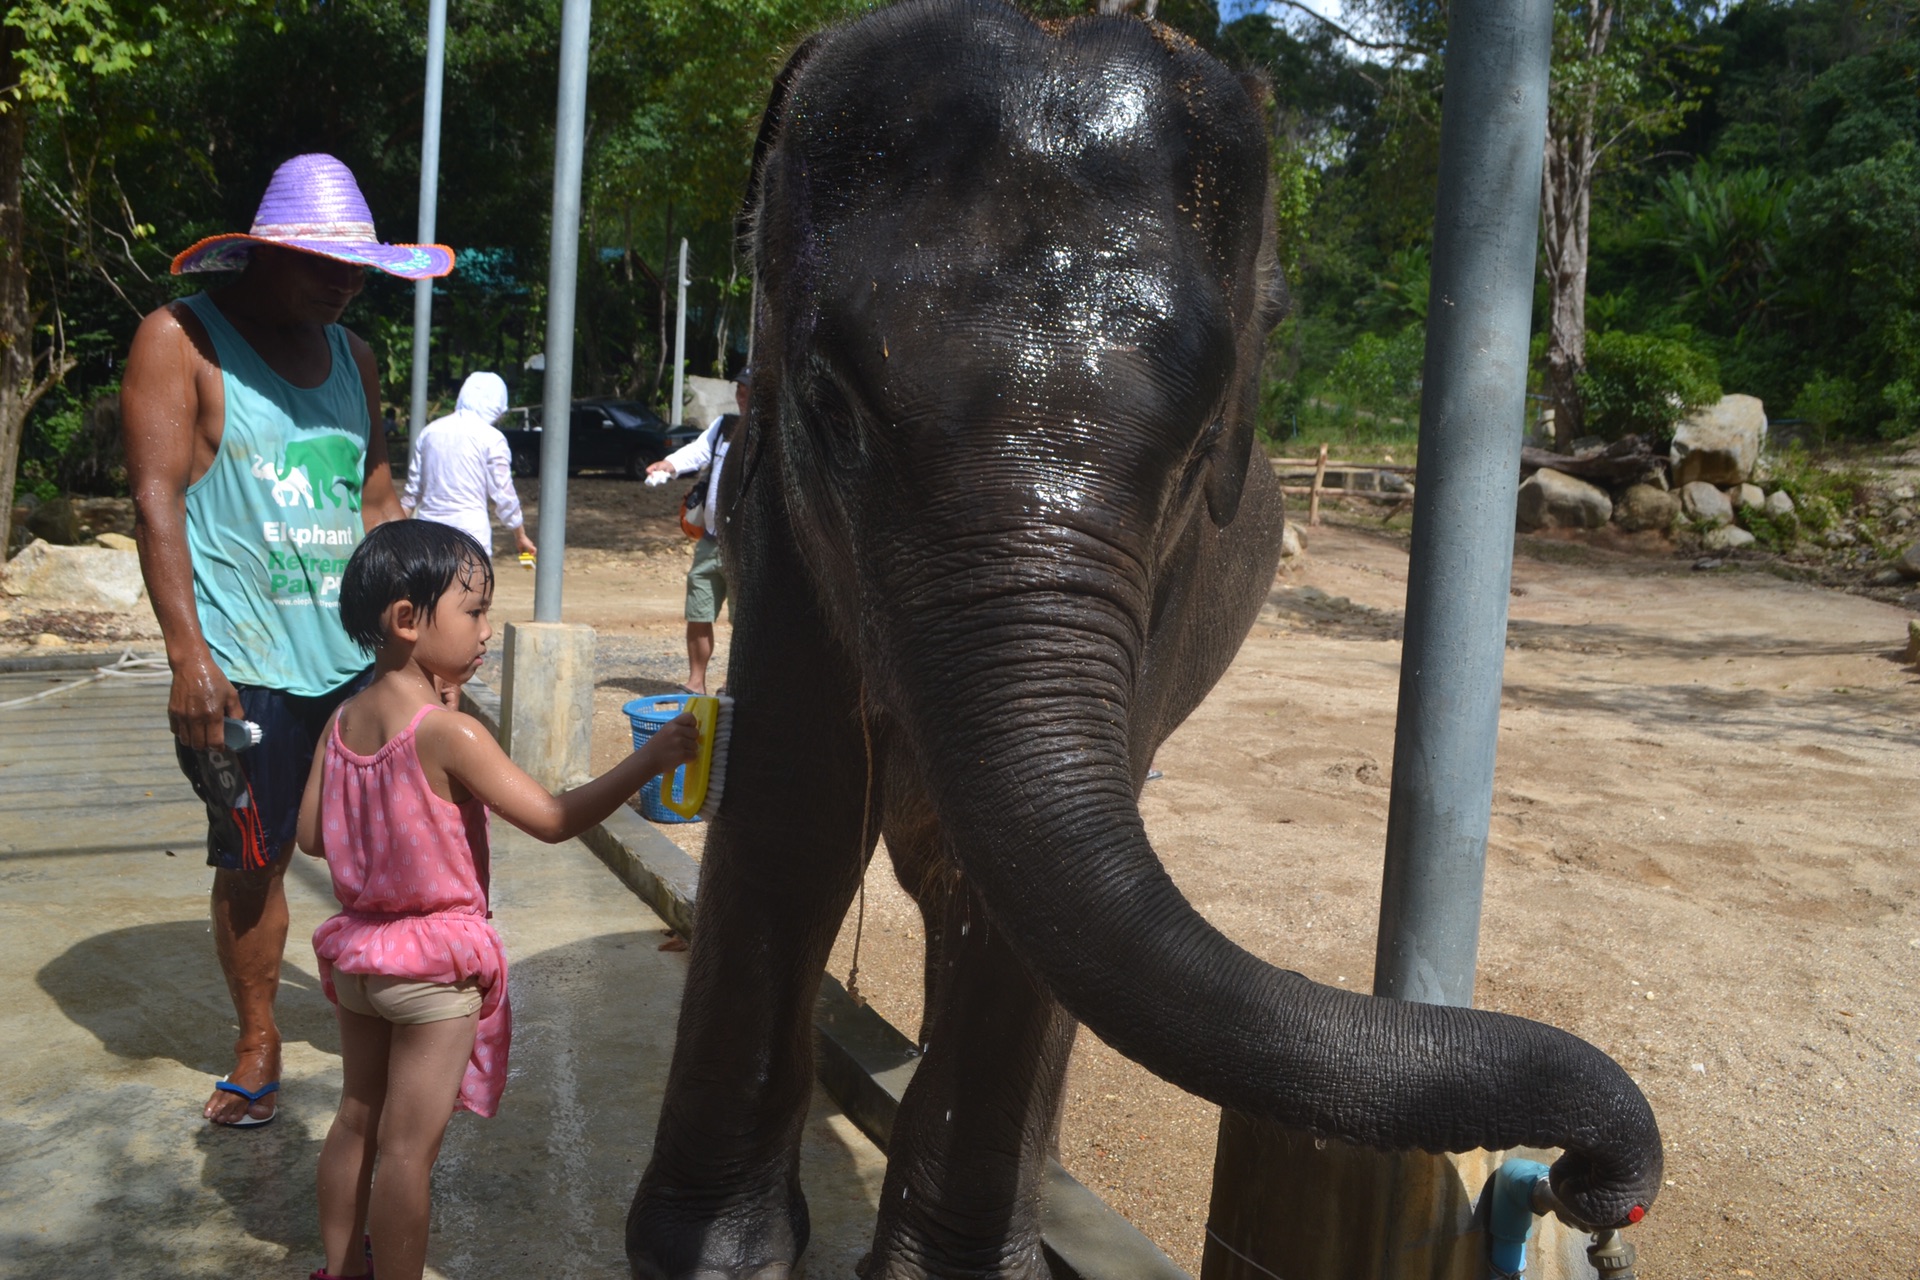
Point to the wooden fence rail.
(1320, 465)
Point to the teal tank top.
(272, 522)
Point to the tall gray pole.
(1283, 1203)
(680, 344)
(1472, 406)
(429, 202)
(569, 145)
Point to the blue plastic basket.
(647, 715)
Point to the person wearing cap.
(249, 421)
(706, 579)
(461, 461)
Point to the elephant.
(996, 520)
(332, 463)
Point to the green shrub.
(1381, 375)
(1827, 401)
(1642, 384)
(1775, 533)
(1822, 496)
(72, 446)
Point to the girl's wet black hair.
(411, 560)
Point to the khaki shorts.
(706, 582)
(404, 1000)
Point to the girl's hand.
(673, 743)
(449, 693)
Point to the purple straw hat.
(314, 205)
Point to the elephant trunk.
(1025, 738)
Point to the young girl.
(397, 804)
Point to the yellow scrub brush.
(707, 772)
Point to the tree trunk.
(667, 268)
(1564, 206)
(1566, 200)
(17, 390)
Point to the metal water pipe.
(429, 208)
(563, 269)
(680, 343)
(1486, 222)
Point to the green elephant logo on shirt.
(332, 464)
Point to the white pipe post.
(680, 343)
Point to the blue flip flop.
(247, 1119)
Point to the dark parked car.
(617, 435)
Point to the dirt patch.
(1702, 859)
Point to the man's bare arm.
(160, 424)
(378, 502)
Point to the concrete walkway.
(115, 1022)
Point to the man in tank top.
(256, 467)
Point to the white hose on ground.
(127, 666)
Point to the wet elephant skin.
(993, 532)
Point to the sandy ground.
(1701, 860)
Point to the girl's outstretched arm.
(461, 745)
(307, 831)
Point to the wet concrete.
(115, 1021)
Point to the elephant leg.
(968, 1157)
(721, 1199)
(923, 869)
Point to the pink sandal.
(321, 1273)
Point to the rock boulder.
(1702, 501)
(1909, 562)
(1643, 506)
(1551, 500)
(1728, 537)
(1721, 443)
(1779, 503)
(84, 577)
(54, 521)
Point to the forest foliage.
(1754, 221)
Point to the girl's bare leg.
(346, 1158)
(424, 1065)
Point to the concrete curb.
(27, 663)
(864, 1063)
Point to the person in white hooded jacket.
(461, 461)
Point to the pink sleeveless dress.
(410, 871)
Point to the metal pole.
(680, 343)
(1472, 411)
(569, 144)
(429, 201)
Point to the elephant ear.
(1226, 464)
(745, 440)
(771, 119)
(1260, 304)
(1231, 450)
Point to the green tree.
(45, 47)
(1624, 75)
